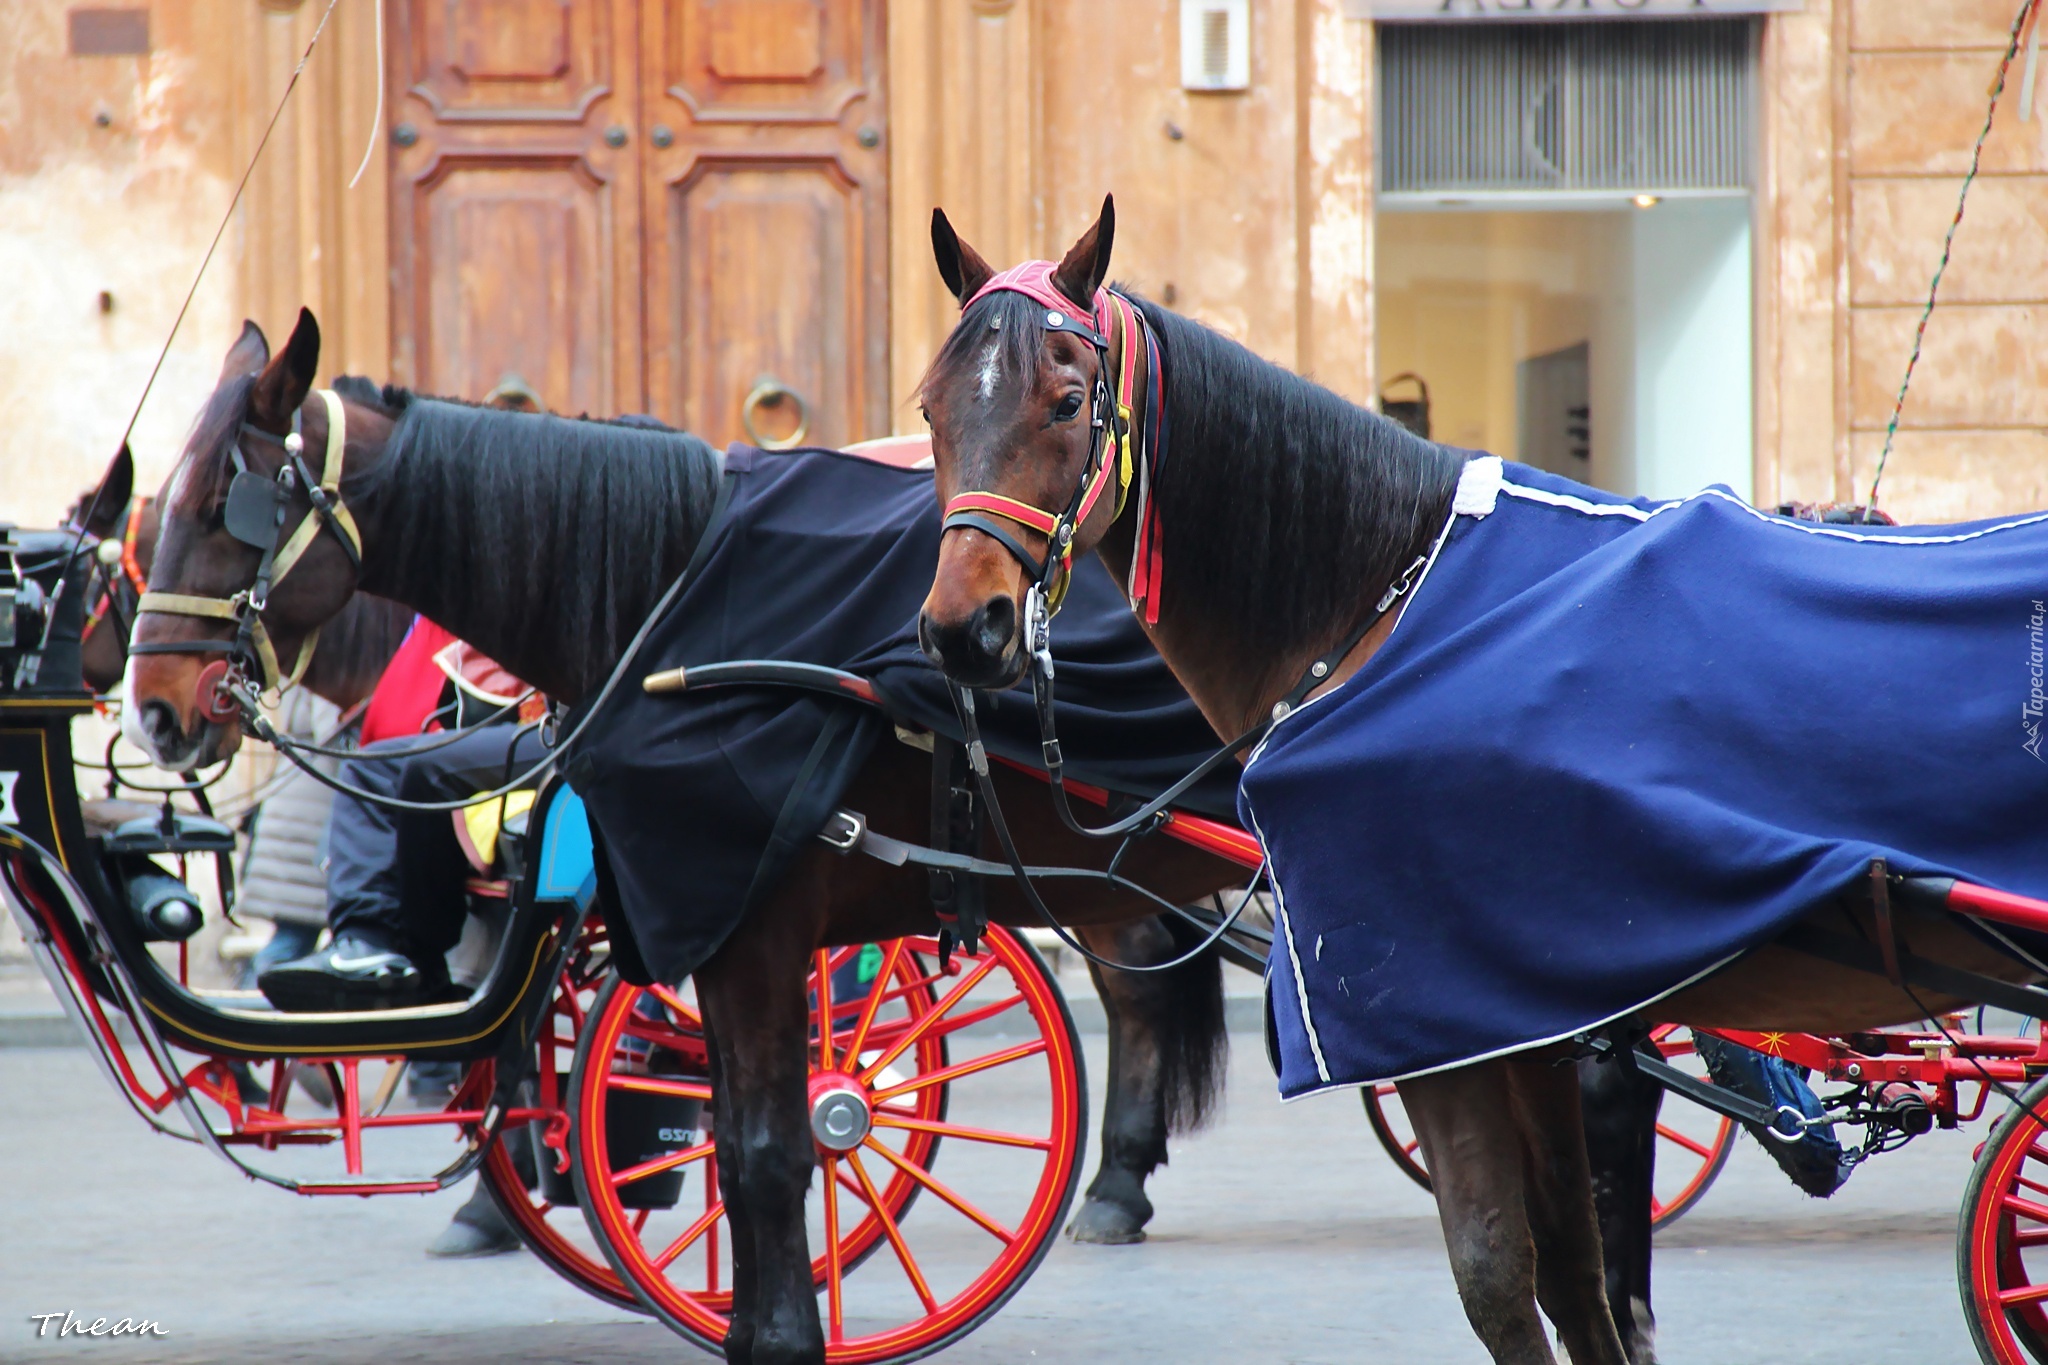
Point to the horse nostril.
(995, 622)
(928, 640)
(160, 722)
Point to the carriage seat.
(138, 827)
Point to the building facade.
(1653, 243)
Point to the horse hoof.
(1100, 1223)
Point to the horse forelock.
(200, 478)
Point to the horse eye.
(925, 413)
(1069, 408)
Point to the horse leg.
(1471, 1142)
(1134, 1113)
(757, 1022)
(1571, 1281)
(1620, 1105)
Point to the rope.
(226, 217)
(2020, 23)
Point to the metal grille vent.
(1631, 107)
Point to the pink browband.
(1033, 280)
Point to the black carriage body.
(78, 907)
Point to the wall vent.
(1566, 110)
(1215, 44)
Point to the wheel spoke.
(2032, 1293)
(924, 1025)
(937, 1187)
(955, 1130)
(2025, 1208)
(891, 955)
(690, 1234)
(2037, 1238)
(1698, 1149)
(660, 1085)
(835, 1287)
(894, 1234)
(676, 1002)
(662, 1163)
(966, 1068)
(823, 1017)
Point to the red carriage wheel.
(1693, 1143)
(916, 1057)
(554, 1229)
(2001, 1263)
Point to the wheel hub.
(840, 1115)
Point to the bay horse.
(546, 543)
(1300, 512)
(353, 647)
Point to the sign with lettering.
(1494, 11)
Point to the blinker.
(254, 510)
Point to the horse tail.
(1194, 1047)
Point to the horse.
(345, 666)
(1298, 520)
(546, 543)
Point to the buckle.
(844, 829)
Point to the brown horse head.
(175, 709)
(1011, 402)
(107, 512)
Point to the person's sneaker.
(351, 973)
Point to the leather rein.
(255, 515)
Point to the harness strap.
(328, 508)
(131, 562)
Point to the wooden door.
(515, 206)
(766, 215)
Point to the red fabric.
(411, 686)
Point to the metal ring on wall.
(769, 390)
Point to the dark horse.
(546, 543)
(1167, 1044)
(1305, 511)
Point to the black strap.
(996, 532)
(958, 900)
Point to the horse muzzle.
(982, 649)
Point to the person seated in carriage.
(398, 880)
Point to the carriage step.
(367, 1185)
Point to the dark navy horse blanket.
(1612, 744)
(700, 800)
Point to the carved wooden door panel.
(766, 216)
(515, 205)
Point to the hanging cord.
(128, 431)
(377, 118)
(425, 746)
(2020, 23)
(977, 759)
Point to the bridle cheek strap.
(328, 512)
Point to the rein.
(255, 515)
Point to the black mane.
(478, 509)
(1283, 507)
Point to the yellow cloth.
(482, 823)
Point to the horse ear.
(287, 380)
(960, 265)
(1087, 265)
(250, 353)
(102, 510)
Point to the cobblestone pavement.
(1282, 1235)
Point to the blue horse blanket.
(1611, 744)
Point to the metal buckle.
(844, 829)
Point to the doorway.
(669, 206)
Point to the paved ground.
(1282, 1235)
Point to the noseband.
(254, 514)
(1110, 423)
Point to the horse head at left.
(257, 549)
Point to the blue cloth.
(1610, 744)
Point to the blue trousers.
(395, 877)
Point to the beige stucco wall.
(1017, 115)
